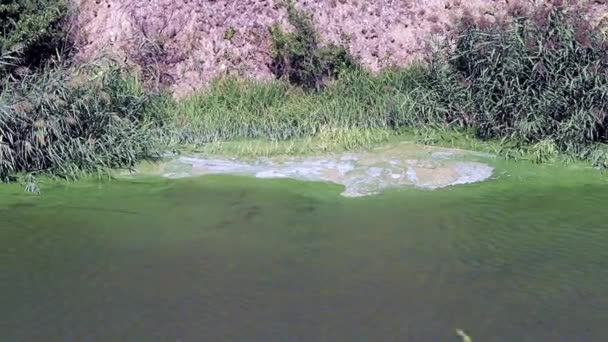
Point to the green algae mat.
(520, 257)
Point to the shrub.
(31, 31)
(541, 79)
(299, 57)
(65, 122)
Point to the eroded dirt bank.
(189, 42)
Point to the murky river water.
(520, 258)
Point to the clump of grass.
(233, 109)
(230, 33)
(64, 122)
(300, 58)
(540, 80)
(599, 156)
(328, 140)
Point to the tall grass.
(66, 121)
(540, 80)
(234, 109)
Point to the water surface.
(523, 257)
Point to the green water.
(523, 257)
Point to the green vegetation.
(534, 88)
(233, 109)
(327, 140)
(31, 32)
(61, 119)
(298, 56)
(541, 80)
(230, 33)
(537, 87)
(69, 121)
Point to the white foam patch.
(359, 179)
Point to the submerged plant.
(30, 184)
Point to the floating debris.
(463, 336)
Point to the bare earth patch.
(361, 173)
(191, 42)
